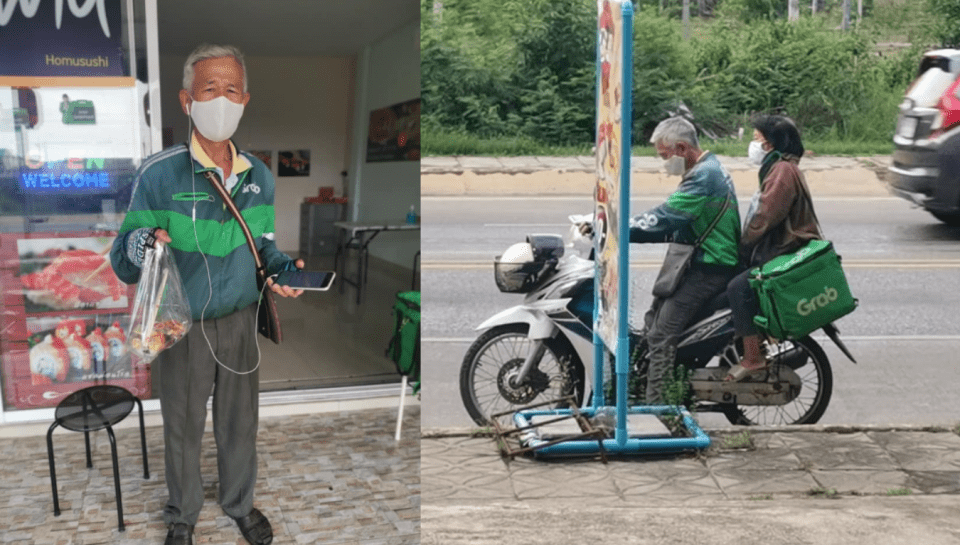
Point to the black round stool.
(92, 409)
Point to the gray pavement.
(337, 478)
(798, 484)
(884, 484)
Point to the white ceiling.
(281, 28)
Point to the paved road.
(903, 265)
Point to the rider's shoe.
(754, 360)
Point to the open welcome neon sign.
(72, 176)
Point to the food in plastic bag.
(161, 312)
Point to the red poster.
(64, 318)
(394, 133)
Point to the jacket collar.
(240, 163)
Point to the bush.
(524, 72)
(946, 13)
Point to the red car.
(926, 158)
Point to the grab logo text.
(807, 306)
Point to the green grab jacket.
(690, 210)
(166, 187)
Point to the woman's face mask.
(216, 119)
(756, 153)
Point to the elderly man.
(705, 187)
(173, 202)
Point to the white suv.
(926, 158)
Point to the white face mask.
(756, 153)
(675, 166)
(216, 119)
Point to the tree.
(945, 14)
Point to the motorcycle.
(539, 351)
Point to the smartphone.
(306, 280)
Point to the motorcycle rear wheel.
(498, 353)
(817, 387)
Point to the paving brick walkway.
(337, 478)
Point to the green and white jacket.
(690, 210)
(166, 188)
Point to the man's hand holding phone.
(286, 291)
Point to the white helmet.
(519, 253)
(516, 270)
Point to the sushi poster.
(69, 274)
(64, 319)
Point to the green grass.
(441, 143)
(827, 493)
(739, 441)
(899, 492)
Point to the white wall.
(388, 72)
(295, 103)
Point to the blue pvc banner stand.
(612, 250)
(697, 439)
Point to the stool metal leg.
(143, 441)
(53, 470)
(86, 438)
(116, 477)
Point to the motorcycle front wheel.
(810, 362)
(495, 358)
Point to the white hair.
(211, 51)
(675, 129)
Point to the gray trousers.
(668, 317)
(188, 375)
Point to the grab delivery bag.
(161, 312)
(801, 292)
(404, 348)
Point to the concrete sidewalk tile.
(521, 164)
(459, 447)
(782, 459)
(677, 479)
(439, 488)
(839, 451)
(763, 481)
(439, 162)
(921, 451)
(934, 482)
(480, 163)
(564, 163)
(562, 481)
(463, 468)
(860, 481)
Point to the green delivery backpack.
(404, 348)
(801, 292)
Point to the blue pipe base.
(698, 440)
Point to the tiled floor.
(337, 478)
(331, 340)
(328, 339)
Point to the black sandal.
(255, 528)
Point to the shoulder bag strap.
(716, 220)
(222, 191)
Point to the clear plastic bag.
(161, 312)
